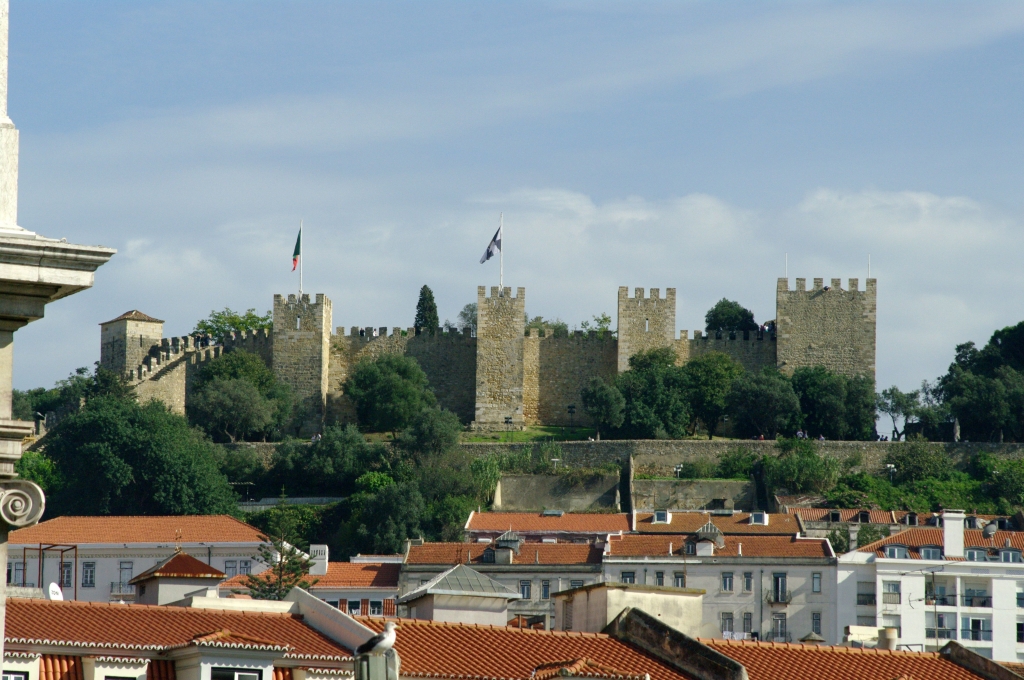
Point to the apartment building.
(95, 558)
(940, 584)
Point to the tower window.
(647, 325)
(298, 323)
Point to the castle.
(503, 372)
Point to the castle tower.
(645, 323)
(301, 352)
(834, 328)
(127, 340)
(500, 327)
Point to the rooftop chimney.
(318, 558)
(953, 533)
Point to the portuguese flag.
(298, 250)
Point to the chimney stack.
(953, 533)
(318, 557)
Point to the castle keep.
(503, 371)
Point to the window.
(1009, 556)
(779, 628)
(88, 574)
(353, 607)
(245, 567)
(911, 519)
(1020, 637)
(333, 603)
(868, 621)
(816, 623)
(15, 675)
(833, 516)
(376, 608)
(931, 553)
(659, 578)
(816, 582)
(679, 579)
(864, 517)
(16, 573)
(759, 518)
(748, 622)
(230, 568)
(726, 622)
(545, 590)
(893, 622)
(629, 577)
(525, 590)
(896, 552)
(976, 629)
(661, 517)
(691, 548)
(779, 589)
(424, 581)
(125, 571)
(748, 581)
(488, 556)
(575, 584)
(235, 674)
(727, 581)
(65, 575)
(976, 555)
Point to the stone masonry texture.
(644, 323)
(501, 321)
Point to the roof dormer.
(759, 518)
(662, 517)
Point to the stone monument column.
(34, 271)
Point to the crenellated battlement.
(369, 333)
(644, 323)
(171, 350)
(729, 336)
(546, 333)
(818, 285)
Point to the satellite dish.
(55, 592)
(990, 530)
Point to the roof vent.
(552, 513)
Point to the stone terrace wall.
(556, 369)
(751, 349)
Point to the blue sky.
(686, 145)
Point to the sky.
(642, 144)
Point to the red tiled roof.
(179, 565)
(134, 315)
(739, 523)
(227, 639)
(753, 546)
(60, 667)
(343, 575)
(134, 626)
(585, 668)
(780, 661)
(570, 522)
(915, 539)
(137, 529)
(845, 515)
(447, 650)
(529, 553)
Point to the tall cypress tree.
(426, 311)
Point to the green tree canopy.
(764, 404)
(118, 457)
(327, 467)
(467, 318)
(604, 404)
(708, 379)
(236, 396)
(728, 315)
(917, 461)
(220, 325)
(835, 406)
(800, 468)
(654, 391)
(388, 392)
(558, 328)
(899, 406)
(426, 312)
(433, 431)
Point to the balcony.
(890, 598)
(943, 633)
(866, 599)
(782, 597)
(122, 591)
(976, 635)
(1020, 599)
(942, 600)
(977, 600)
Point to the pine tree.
(426, 311)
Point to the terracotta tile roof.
(229, 640)
(845, 515)
(477, 652)
(753, 546)
(529, 553)
(60, 667)
(343, 575)
(179, 565)
(586, 668)
(739, 523)
(134, 315)
(137, 529)
(780, 661)
(145, 627)
(915, 539)
(570, 522)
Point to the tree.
(737, 463)
(604, 404)
(800, 468)
(728, 316)
(388, 392)
(234, 408)
(764, 404)
(557, 327)
(467, 318)
(426, 312)
(708, 379)
(602, 324)
(433, 431)
(220, 325)
(328, 467)
(389, 517)
(977, 401)
(822, 396)
(118, 457)
(289, 569)
(654, 392)
(869, 533)
(859, 410)
(899, 406)
(918, 460)
(840, 540)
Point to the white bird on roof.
(381, 642)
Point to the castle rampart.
(644, 323)
(501, 321)
(556, 369)
(754, 350)
(301, 351)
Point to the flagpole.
(301, 258)
(501, 252)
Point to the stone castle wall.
(833, 328)
(754, 350)
(301, 350)
(556, 369)
(644, 323)
(125, 344)
(501, 322)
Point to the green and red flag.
(298, 250)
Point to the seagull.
(380, 642)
